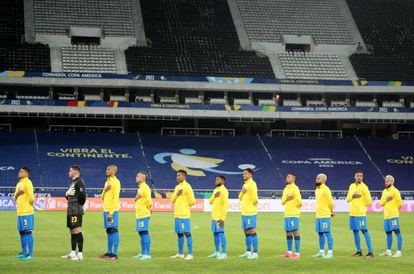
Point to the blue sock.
(297, 244)
(248, 243)
(30, 243)
(289, 240)
(216, 241)
(189, 243)
(368, 240)
(148, 244)
(115, 240)
(223, 242)
(141, 238)
(389, 240)
(180, 243)
(399, 239)
(321, 240)
(110, 243)
(330, 240)
(255, 242)
(23, 244)
(357, 240)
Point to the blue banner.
(394, 157)
(209, 79)
(205, 158)
(338, 158)
(268, 108)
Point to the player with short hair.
(76, 196)
(24, 197)
(220, 205)
(359, 198)
(292, 200)
(110, 197)
(392, 203)
(324, 212)
(143, 204)
(249, 199)
(183, 199)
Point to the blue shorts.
(182, 225)
(391, 224)
(358, 223)
(25, 222)
(323, 225)
(115, 220)
(215, 227)
(249, 222)
(291, 224)
(142, 224)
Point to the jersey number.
(74, 219)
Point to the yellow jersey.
(25, 201)
(249, 199)
(220, 204)
(358, 206)
(111, 197)
(292, 207)
(183, 203)
(391, 208)
(324, 201)
(143, 204)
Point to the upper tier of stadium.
(49, 154)
(300, 39)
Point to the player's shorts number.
(394, 222)
(74, 219)
(248, 221)
(361, 223)
(324, 225)
(182, 226)
(292, 223)
(141, 224)
(25, 222)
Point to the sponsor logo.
(404, 160)
(323, 162)
(99, 153)
(195, 165)
(6, 168)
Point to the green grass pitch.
(52, 240)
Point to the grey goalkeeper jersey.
(78, 199)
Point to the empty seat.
(269, 20)
(392, 56)
(190, 37)
(55, 17)
(86, 58)
(312, 66)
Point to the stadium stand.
(15, 53)
(49, 154)
(190, 37)
(388, 27)
(56, 16)
(303, 65)
(269, 20)
(88, 58)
